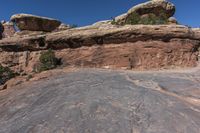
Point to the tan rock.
(63, 27)
(121, 19)
(172, 20)
(136, 47)
(160, 8)
(9, 29)
(35, 23)
(156, 7)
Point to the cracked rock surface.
(102, 101)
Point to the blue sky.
(85, 12)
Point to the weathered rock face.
(160, 8)
(99, 101)
(136, 47)
(9, 29)
(35, 23)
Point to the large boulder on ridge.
(35, 23)
(156, 7)
(160, 8)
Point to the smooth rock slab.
(96, 101)
(35, 23)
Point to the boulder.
(35, 23)
(172, 20)
(121, 19)
(63, 27)
(159, 8)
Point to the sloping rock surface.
(104, 101)
(34, 23)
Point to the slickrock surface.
(100, 101)
(140, 47)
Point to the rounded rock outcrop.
(156, 7)
(34, 23)
(172, 20)
(160, 9)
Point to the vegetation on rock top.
(148, 19)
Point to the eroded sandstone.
(34, 23)
(130, 47)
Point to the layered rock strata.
(139, 47)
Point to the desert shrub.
(5, 74)
(73, 26)
(150, 19)
(29, 77)
(133, 19)
(113, 22)
(48, 61)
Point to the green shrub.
(150, 19)
(48, 61)
(113, 22)
(73, 26)
(29, 77)
(5, 74)
(133, 19)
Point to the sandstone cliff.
(128, 47)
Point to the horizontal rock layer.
(130, 47)
(89, 36)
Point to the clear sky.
(85, 12)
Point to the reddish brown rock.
(9, 29)
(35, 23)
(129, 47)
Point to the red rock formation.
(136, 47)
